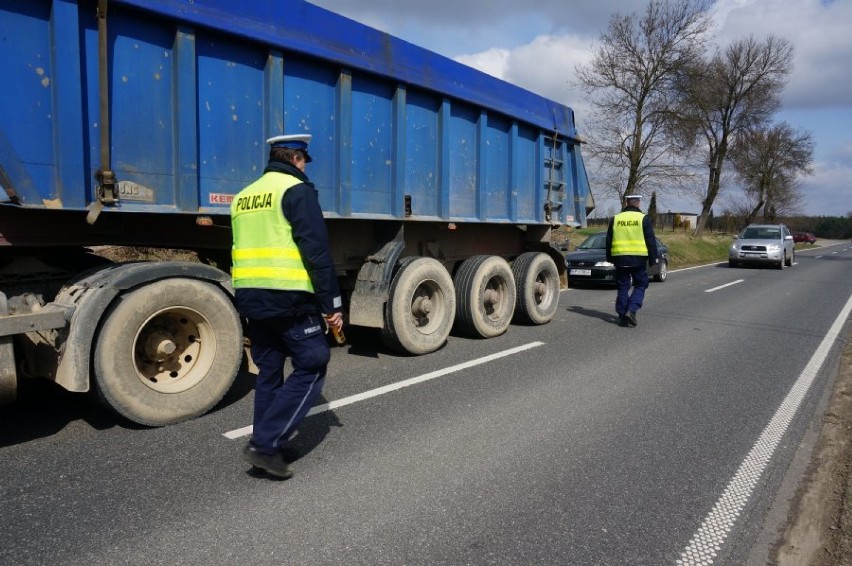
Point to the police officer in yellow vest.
(630, 246)
(284, 281)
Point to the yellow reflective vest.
(627, 235)
(264, 254)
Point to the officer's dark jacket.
(633, 260)
(302, 210)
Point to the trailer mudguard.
(91, 295)
(367, 303)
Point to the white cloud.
(544, 66)
(494, 61)
(577, 17)
(821, 33)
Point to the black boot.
(272, 464)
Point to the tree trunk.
(707, 204)
(754, 212)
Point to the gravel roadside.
(819, 527)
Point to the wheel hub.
(421, 307)
(159, 345)
(171, 354)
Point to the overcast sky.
(536, 44)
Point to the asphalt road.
(578, 442)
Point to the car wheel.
(792, 258)
(780, 264)
(663, 273)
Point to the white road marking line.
(707, 542)
(698, 266)
(246, 430)
(723, 286)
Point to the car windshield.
(594, 242)
(766, 233)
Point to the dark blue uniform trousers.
(281, 404)
(625, 301)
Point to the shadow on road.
(591, 313)
(43, 409)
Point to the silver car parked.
(763, 244)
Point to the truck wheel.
(485, 296)
(421, 306)
(168, 351)
(537, 282)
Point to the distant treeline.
(829, 227)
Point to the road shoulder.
(819, 526)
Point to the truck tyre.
(168, 351)
(537, 283)
(421, 307)
(485, 296)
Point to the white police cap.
(628, 197)
(293, 141)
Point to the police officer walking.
(630, 245)
(284, 282)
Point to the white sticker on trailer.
(221, 198)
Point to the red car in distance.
(804, 237)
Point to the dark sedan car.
(588, 264)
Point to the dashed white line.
(707, 542)
(723, 286)
(246, 430)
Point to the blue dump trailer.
(134, 123)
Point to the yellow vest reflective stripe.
(264, 254)
(627, 235)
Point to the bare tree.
(768, 161)
(631, 81)
(738, 89)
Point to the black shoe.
(290, 454)
(622, 320)
(631, 318)
(272, 464)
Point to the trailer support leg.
(8, 374)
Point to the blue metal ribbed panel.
(196, 88)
